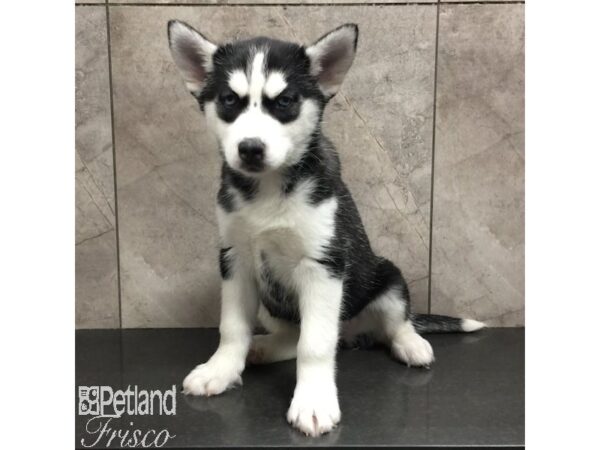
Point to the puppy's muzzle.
(252, 154)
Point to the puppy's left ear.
(331, 57)
(192, 54)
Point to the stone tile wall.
(429, 125)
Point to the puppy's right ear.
(192, 54)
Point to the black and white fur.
(294, 253)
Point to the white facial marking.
(275, 84)
(300, 130)
(257, 79)
(284, 143)
(239, 83)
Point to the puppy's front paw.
(210, 379)
(314, 409)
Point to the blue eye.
(283, 101)
(229, 99)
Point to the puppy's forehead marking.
(257, 78)
(275, 84)
(238, 82)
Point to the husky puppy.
(294, 253)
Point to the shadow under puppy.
(294, 252)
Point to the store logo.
(104, 404)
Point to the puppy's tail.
(433, 323)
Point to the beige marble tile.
(168, 166)
(478, 217)
(96, 255)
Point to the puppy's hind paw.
(413, 350)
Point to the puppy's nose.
(252, 152)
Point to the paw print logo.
(89, 400)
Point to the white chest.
(282, 229)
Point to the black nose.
(252, 152)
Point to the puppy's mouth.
(255, 167)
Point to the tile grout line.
(275, 3)
(435, 82)
(269, 4)
(112, 131)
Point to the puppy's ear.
(331, 57)
(192, 54)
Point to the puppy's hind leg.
(396, 328)
(279, 345)
(397, 331)
(410, 347)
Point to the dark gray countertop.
(472, 395)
